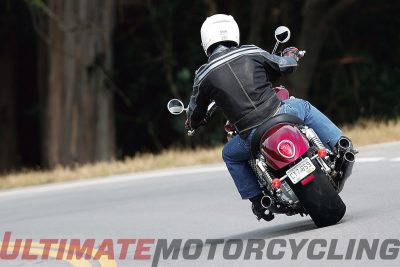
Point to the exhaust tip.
(266, 202)
(349, 156)
(344, 143)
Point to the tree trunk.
(318, 19)
(8, 78)
(257, 18)
(211, 7)
(78, 106)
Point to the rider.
(238, 79)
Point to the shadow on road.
(276, 230)
(268, 232)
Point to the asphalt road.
(201, 203)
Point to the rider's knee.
(225, 153)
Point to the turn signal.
(276, 183)
(322, 153)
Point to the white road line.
(141, 176)
(370, 159)
(114, 179)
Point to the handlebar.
(302, 53)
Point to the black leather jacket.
(238, 79)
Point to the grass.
(366, 132)
(141, 162)
(362, 133)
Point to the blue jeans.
(236, 152)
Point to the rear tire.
(320, 199)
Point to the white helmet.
(219, 28)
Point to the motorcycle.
(296, 172)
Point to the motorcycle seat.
(267, 125)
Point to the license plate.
(300, 171)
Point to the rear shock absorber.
(313, 138)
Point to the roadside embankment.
(363, 133)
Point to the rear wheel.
(320, 199)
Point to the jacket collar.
(220, 51)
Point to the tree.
(318, 19)
(77, 121)
(8, 77)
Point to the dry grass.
(362, 133)
(141, 162)
(366, 132)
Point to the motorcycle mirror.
(175, 106)
(282, 35)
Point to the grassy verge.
(362, 133)
(142, 162)
(371, 132)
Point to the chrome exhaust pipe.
(348, 163)
(346, 168)
(266, 202)
(344, 144)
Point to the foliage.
(157, 50)
(355, 77)
(359, 66)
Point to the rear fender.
(271, 139)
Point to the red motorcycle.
(296, 173)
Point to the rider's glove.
(292, 52)
(187, 125)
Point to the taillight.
(307, 180)
(286, 149)
(276, 183)
(322, 153)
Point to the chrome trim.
(291, 143)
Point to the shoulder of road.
(386, 152)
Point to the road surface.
(200, 203)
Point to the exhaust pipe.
(344, 144)
(346, 168)
(345, 163)
(348, 163)
(266, 201)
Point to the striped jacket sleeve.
(277, 63)
(197, 108)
